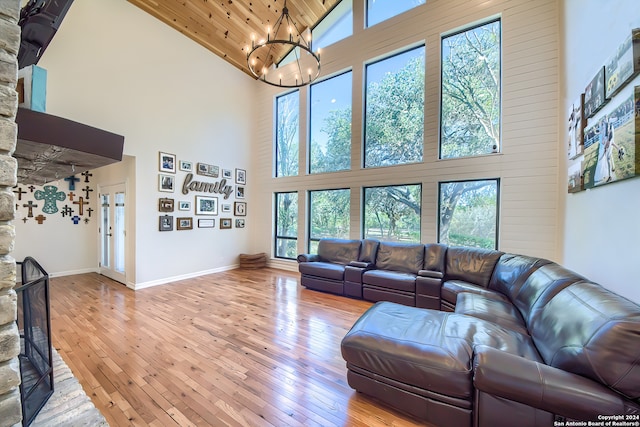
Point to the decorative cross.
(19, 192)
(72, 181)
(87, 190)
(30, 205)
(76, 219)
(40, 218)
(67, 211)
(89, 211)
(86, 175)
(71, 195)
(50, 195)
(81, 203)
(25, 219)
(31, 188)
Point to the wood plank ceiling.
(225, 27)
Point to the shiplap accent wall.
(527, 164)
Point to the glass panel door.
(113, 232)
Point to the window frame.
(277, 236)
(310, 216)
(363, 212)
(443, 36)
(365, 79)
(498, 182)
(276, 135)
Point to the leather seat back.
(590, 331)
(434, 257)
(339, 251)
(473, 265)
(368, 251)
(403, 257)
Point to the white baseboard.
(166, 280)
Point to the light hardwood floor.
(240, 348)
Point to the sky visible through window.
(381, 10)
(326, 96)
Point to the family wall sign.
(219, 187)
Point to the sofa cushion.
(325, 270)
(368, 251)
(390, 280)
(434, 257)
(451, 288)
(403, 257)
(498, 311)
(590, 331)
(474, 265)
(338, 250)
(428, 349)
(512, 271)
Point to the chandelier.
(285, 40)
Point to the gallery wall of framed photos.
(605, 148)
(202, 195)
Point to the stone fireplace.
(10, 407)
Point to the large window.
(286, 225)
(381, 10)
(287, 134)
(328, 215)
(470, 118)
(469, 213)
(330, 125)
(392, 213)
(337, 25)
(394, 111)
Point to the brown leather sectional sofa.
(481, 337)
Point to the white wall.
(601, 231)
(528, 164)
(115, 67)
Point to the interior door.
(112, 232)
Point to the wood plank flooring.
(240, 348)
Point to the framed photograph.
(208, 170)
(183, 205)
(240, 223)
(165, 223)
(185, 223)
(165, 205)
(239, 192)
(594, 98)
(206, 223)
(240, 208)
(186, 166)
(241, 176)
(167, 162)
(227, 173)
(206, 205)
(166, 182)
(225, 223)
(225, 208)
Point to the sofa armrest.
(430, 273)
(541, 386)
(361, 264)
(308, 258)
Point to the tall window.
(469, 213)
(330, 125)
(381, 10)
(287, 134)
(337, 25)
(328, 215)
(394, 111)
(286, 225)
(470, 118)
(392, 213)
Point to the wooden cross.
(71, 195)
(40, 218)
(30, 205)
(81, 202)
(66, 210)
(86, 175)
(89, 211)
(19, 192)
(72, 181)
(25, 219)
(76, 219)
(31, 188)
(87, 190)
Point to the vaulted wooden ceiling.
(225, 27)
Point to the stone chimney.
(10, 408)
